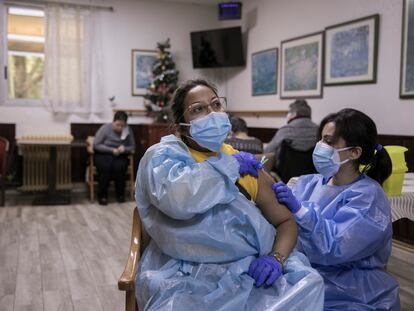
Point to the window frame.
(3, 57)
(4, 87)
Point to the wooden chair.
(91, 171)
(139, 241)
(4, 150)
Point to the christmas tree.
(163, 84)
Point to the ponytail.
(357, 129)
(380, 167)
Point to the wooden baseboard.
(403, 246)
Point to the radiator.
(35, 164)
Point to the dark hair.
(357, 129)
(301, 108)
(238, 124)
(121, 116)
(177, 101)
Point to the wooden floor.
(70, 257)
(401, 266)
(63, 257)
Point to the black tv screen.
(217, 48)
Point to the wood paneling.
(403, 230)
(145, 136)
(79, 155)
(14, 162)
(266, 134)
(148, 134)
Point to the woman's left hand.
(248, 163)
(285, 196)
(265, 269)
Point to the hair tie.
(379, 147)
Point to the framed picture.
(264, 72)
(302, 67)
(351, 50)
(407, 51)
(142, 62)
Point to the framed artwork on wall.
(351, 51)
(407, 51)
(264, 72)
(302, 67)
(142, 62)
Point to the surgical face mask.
(326, 159)
(211, 130)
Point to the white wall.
(135, 24)
(268, 22)
(139, 24)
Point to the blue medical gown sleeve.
(352, 228)
(180, 187)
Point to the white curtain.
(73, 60)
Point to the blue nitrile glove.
(248, 163)
(285, 196)
(265, 269)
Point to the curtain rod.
(45, 2)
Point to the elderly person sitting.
(112, 144)
(239, 138)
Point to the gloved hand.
(265, 269)
(285, 196)
(248, 163)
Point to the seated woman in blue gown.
(344, 215)
(211, 247)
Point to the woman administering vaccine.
(211, 215)
(344, 215)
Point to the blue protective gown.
(205, 235)
(346, 232)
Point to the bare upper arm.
(274, 212)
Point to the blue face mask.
(326, 159)
(211, 130)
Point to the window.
(25, 54)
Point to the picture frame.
(265, 67)
(407, 52)
(142, 62)
(351, 51)
(302, 57)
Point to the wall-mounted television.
(217, 48)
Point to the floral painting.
(302, 64)
(264, 72)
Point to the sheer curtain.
(73, 60)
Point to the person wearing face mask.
(344, 216)
(212, 217)
(112, 144)
(239, 138)
(300, 131)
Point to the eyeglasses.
(217, 105)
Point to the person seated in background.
(212, 247)
(300, 130)
(239, 138)
(112, 144)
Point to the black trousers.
(111, 167)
